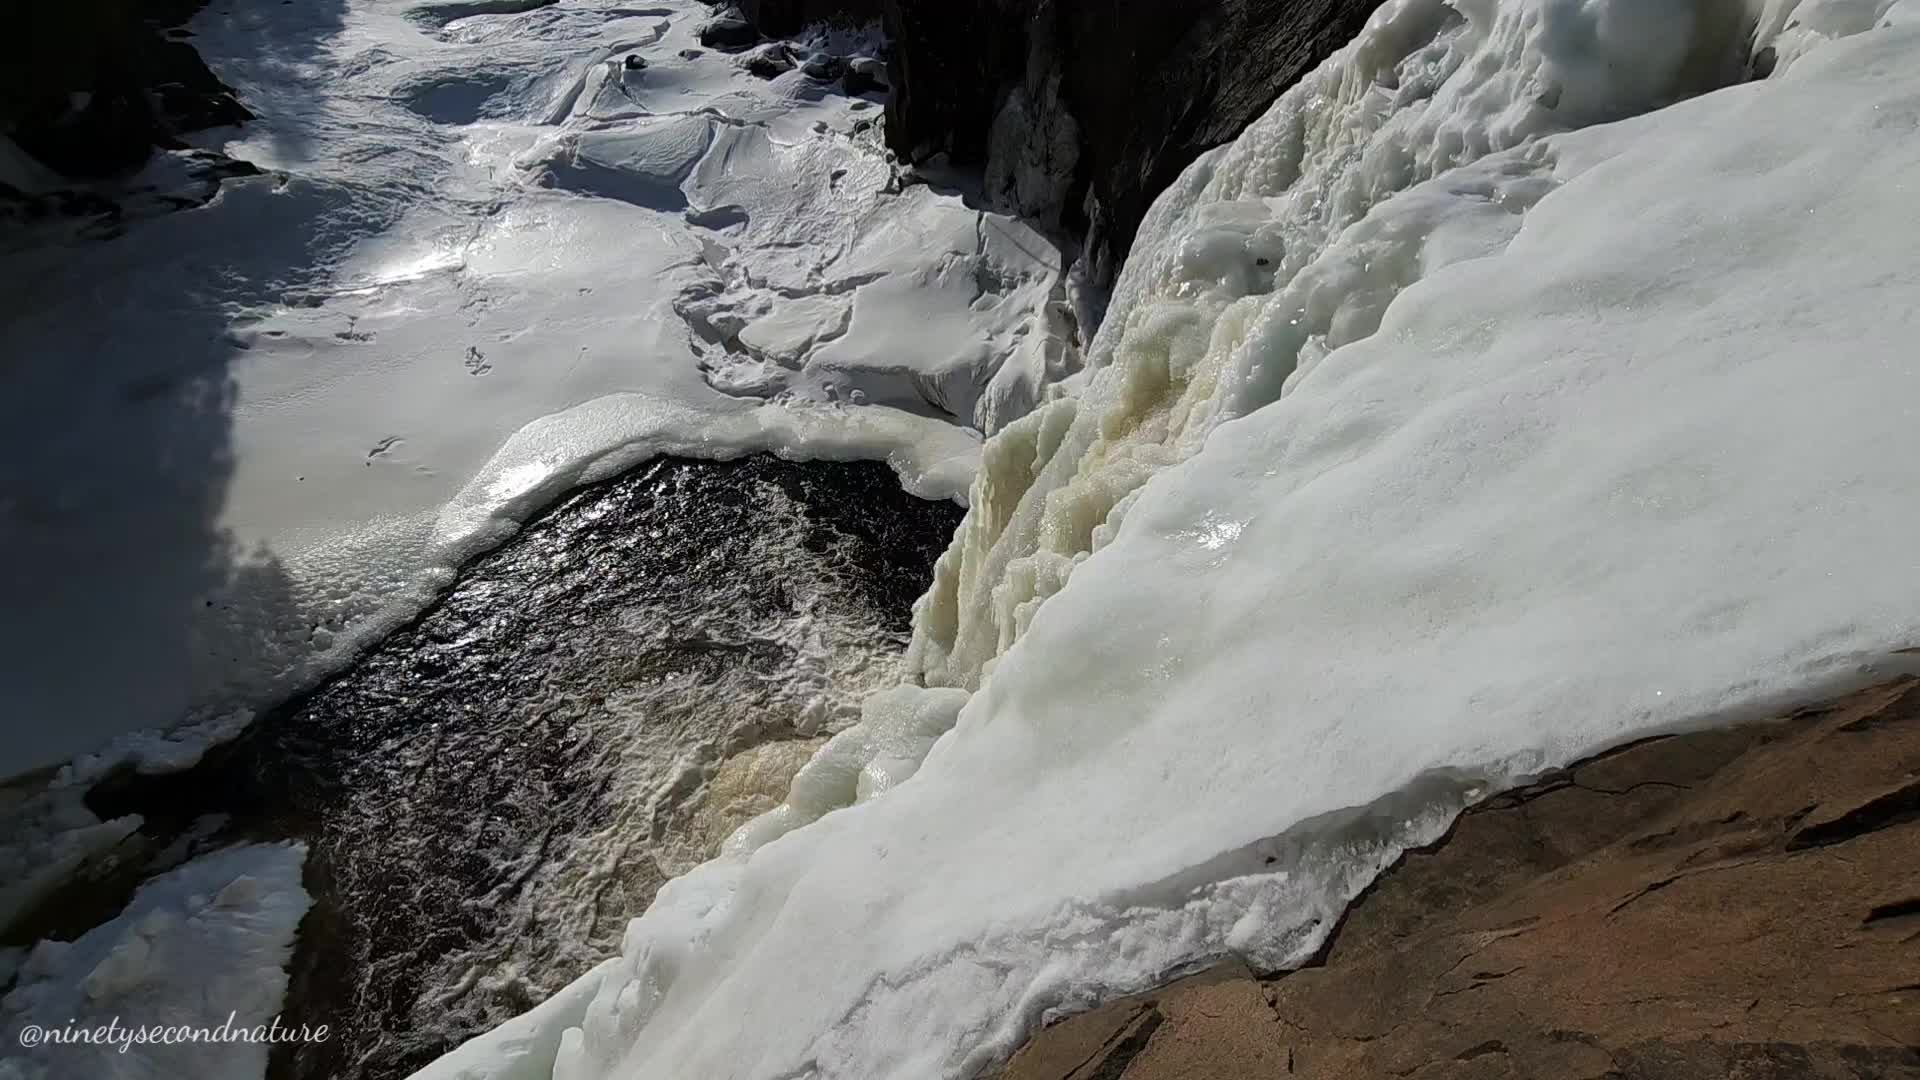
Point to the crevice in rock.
(1899, 909)
(1491, 1046)
(1897, 807)
(1114, 1065)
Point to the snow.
(242, 441)
(51, 834)
(1493, 401)
(196, 946)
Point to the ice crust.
(1517, 387)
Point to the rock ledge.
(1732, 903)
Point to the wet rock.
(1118, 96)
(865, 75)
(823, 67)
(786, 17)
(769, 61)
(1682, 909)
(729, 33)
(194, 181)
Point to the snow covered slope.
(1492, 401)
(240, 440)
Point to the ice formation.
(198, 945)
(1518, 386)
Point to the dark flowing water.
(491, 793)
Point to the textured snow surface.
(198, 944)
(1494, 400)
(490, 261)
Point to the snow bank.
(1437, 437)
(198, 945)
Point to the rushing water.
(494, 790)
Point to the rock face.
(1737, 903)
(1083, 111)
(781, 17)
(90, 87)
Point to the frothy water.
(496, 789)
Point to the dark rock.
(786, 17)
(209, 165)
(769, 61)
(634, 62)
(729, 33)
(824, 67)
(1646, 915)
(18, 207)
(692, 54)
(91, 87)
(865, 75)
(1120, 94)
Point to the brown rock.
(1739, 903)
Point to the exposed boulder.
(866, 75)
(728, 31)
(824, 67)
(1733, 903)
(769, 61)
